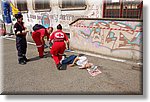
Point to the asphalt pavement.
(40, 76)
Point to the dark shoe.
(64, 55)
(59, 66)
(22, 62)
(64, 67)
(45, 52)
(25, 58)
(45, 46)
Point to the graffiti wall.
(48, 19)
(121, 39)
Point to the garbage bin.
(2, 28)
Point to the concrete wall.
(122, 39)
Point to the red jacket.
(38, 35)
(58, 36)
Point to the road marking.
(31, 43)
(100, 56)
(90, 54)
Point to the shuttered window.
(72, 4)
(123, 9)
(41, 5)
(22, 5)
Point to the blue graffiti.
(45, 21)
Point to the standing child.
(21, 43)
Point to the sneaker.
(64, 55)
(27, 60)
(22, 62)
(46, 52)
(45, 46)
(59, 66)
(64, 67)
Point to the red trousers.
(57, 48)
(41, 51)
(38, 43)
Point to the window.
(132, 9)
(41, 5)
(72, 4)
(22, 5)
(123, 9)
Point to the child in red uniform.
(58, 37)
(38, 37)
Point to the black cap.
(59, 26)
(17, 16)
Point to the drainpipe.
(121, 8)
(104, 7)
